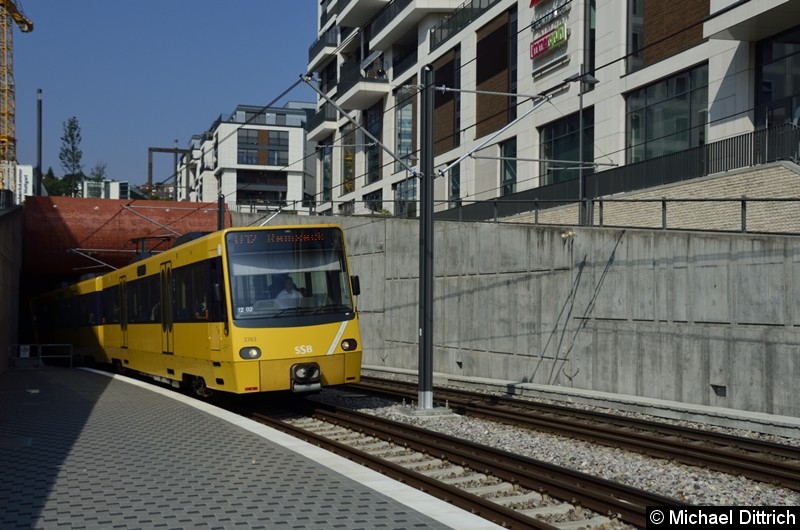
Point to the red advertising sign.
(548, 41)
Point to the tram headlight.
(349, 344)
(250, 352)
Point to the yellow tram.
(241, 310)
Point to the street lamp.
(584, 78)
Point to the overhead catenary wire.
(357, 31)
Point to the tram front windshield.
(280, 274)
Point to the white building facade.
(256, 158)
(23, 185)
(615, 82)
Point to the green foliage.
(70, 156)
(98, 172)
(52, 184)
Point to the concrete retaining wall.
(699, 318)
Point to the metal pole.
(580, 147)
(426, 242)
(221, 212)
(37, 176)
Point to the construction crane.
(10, 14)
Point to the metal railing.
(387, 15)
(351, 75)
(39, 353)
(462, 17)
(780, 142)
(329, 38)
(326, 113)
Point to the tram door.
(123, 311)
(167, 338)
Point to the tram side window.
(65, 315)
(192, 294)
(111, 305)
(89, 309)
(143, 296)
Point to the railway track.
(755, 459)
(510, 490)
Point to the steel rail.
(590, 492)
(491, 511)
(648, 437)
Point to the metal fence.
(39, 354)
(780, 142)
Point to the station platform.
(82, 449)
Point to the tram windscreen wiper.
(282, 311)
(329, 308)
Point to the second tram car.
(241, 310)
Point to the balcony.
(752, 21)
(356, 13)
(322, 49)
(402, 16)
(360, 88)
(462, 17)
(323, 123)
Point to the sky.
(143, 74)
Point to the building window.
(590, 38)
(404, 118)
(512, 63)
(247, 156)
(508, 164)
(326, 167)
(247, 137)
(405, 198)
(560, 145)
(454, 188)
(278, 154)
(635, 35)
(374, 201)
(778, 80)
(667, 116)
(261, 187)
(347, 208)
(373, 124)
(348, 159)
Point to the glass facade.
(508, 164)
(373, 123)
(668, 116)
(560, 146)
(635, 57)
(404, 130)
(778, 80)
(454, 189)
(326, 166)
(405, 198)
(348, 159)
(374, 201)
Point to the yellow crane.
(10, 14)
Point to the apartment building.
(536, 94)
(256, 158)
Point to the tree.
(52, 184)
(70, 156)
(99, 172)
